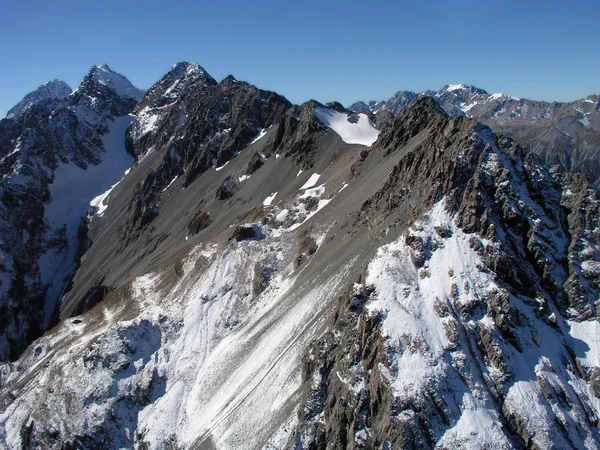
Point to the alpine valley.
(204, 265)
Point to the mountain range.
(206, 265)
(563, 134)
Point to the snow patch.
(315, 192)
(362, 132)
(283, 214)
(311, 181)
(455, 87)
(588, 335)
(261, 135)
(221, 167)
(267, 201)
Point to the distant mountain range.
(565, 134)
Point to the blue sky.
(327, 50)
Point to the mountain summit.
(52, 90)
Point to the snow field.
(363, 132)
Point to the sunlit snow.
(362, 132)
(311, 181)
(261, 135)
(267, 201)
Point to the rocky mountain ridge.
(565, 134)
(258, 279)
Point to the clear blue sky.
(327, 50)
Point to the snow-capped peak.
(104, 76)
(454, 87)
(55, 89)
(461, 88)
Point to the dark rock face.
(295, 135)
(255, 163)
(199, 222)
(250, 231)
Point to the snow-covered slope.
(353, 129)
(430, 345)
(71, 194)
(116, 82)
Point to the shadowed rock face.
(422, 292)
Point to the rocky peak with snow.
(60, 152)
(52, 90)
(104, 90)
(396, 103)
(186, 125)
(466, 329)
